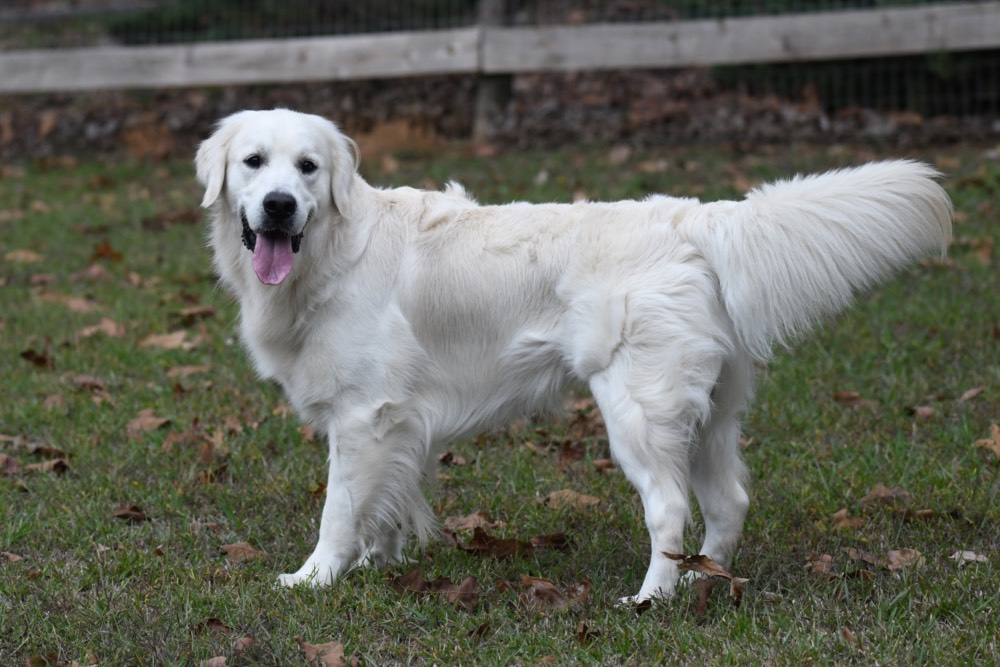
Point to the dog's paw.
(292, 580)
(312, 574)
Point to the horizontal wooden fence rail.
(505, 50)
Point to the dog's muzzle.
(250, 237)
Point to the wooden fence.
(496, 50)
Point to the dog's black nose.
(279, 205)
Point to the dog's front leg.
(338, 544)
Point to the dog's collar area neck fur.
(250, 237)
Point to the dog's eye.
(307, 166)
(253, 161)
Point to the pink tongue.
(272, 258)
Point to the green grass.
(143, 593)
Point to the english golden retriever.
(400, 319)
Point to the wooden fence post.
(493, 90)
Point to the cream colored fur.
(411, 318)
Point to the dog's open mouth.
(273, 252)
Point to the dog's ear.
(210, 161)
(344, 167)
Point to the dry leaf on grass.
(212, 625)
(882, 494)
(962, 557)
(44, 359)
(144, 422)
(852, 399)
(923, 412)
(496, 547)
(464, 594)
(169, 341)
(542, 595)
(469, 522)
(843, 522)
(131, 514)
(9, 465)
(75, 304)
(711, 571)
(991, 443)
(182, 372)
(450, 459)
(22, 257)
(58, 466)
(330, 654)
(970, 394)
(570, 498)
(820, 564)
(241, 551)
(106, 327)
(902, 559)
(585, 634)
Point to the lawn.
(152, 488)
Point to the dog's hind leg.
(651, 432)
(718, 474)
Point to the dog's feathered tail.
(795, 252)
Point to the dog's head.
(279, 173)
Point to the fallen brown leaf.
(737, 586)
(991, 443)
(103, 250)
(75, 304)
(170, 341)
(882, 494)
(182, 372)
(843, 522)
(330, 654)
(144, 422)
(106, 327)
(43, 359)
(820, 564)
(9, 465)
(557, 541)
(132, 514)
(902, 559)
(54, 402)
(487, 545)
(470, 522)
(704, 589)
(542, 595)
(861, 556)
(585, 634)
(970, 394)
(698, 563)
(10, 557)
(193, 314)
(242, 644)
(570, 498)
(450, 459)
(22, 257)
(212, 625)
(92, 274)
(58, 466)
(852, 399)
(217, 661)
(241, 551)
(962, 557)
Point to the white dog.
(396, 320)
